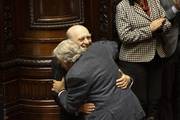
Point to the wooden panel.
(1, 29)
(36, 89)
(6, 30)
(36, 72)
(56, 13)
(1, 93)
(39, 110)
(1, 110)
(13, 112)
(8, 73)
(37, 47)
(11, 93)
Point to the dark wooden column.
(9, 93)
(40, 26)
(1, 87)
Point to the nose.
(87, 41)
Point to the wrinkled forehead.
(83, 33)
(79, 32)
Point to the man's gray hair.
(68, 50)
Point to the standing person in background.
(140, 24)
(172, 9)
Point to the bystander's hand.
(58, 86)
(87, 108)
(124, 81)
(157, 24)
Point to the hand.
(157, 24)
(58, 86)
(123, 82)
(87, 108)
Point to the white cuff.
(174, 9)
(60, 92)
(131, 82)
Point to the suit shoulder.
(83, 66)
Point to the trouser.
(69, 116)
(177, 90)
(177, 82)
(147, 82)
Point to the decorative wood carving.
(34, 62)
(11, 93)
(1, 92)
(8, 28)
(7, 64)
(114, 31)
(25, 62)
(56, 13)
(36, 89)
(104, 18)
(107, 28)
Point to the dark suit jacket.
(58, 73)
(92, 79)
(167, 4)
(172, 36)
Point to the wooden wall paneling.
(8, 67)
(1, 56)
(31, 47)
(32, 30)
(98, 18)
(10, 90)
(114, 34)
(90, 16)
(1, 30)
(8, 28)
(104, 19)
(40, 26)
(35, 91)
(55, 13)
(1, 98)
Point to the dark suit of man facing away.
(173, 14)
(92, 78)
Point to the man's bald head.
(80, 35)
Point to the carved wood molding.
(114, 31)
(25, 62)
(7, 64)
(104, 18)
(1, 92)
(107, 19)
(9, 47)
(34, 62)
(36, 89)
(41, 40)
(39, 21)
